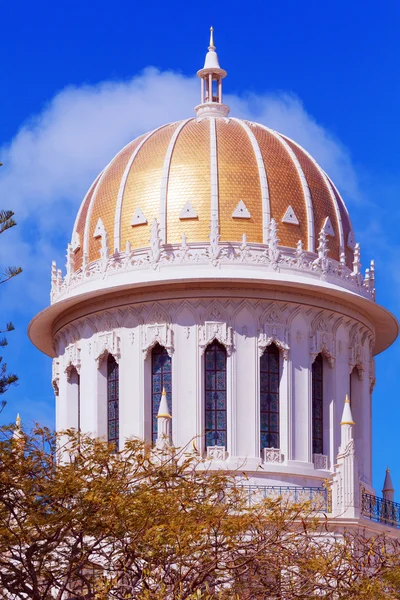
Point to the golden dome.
(183, 174)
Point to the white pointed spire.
(163, 424)
(347, 417)
(211, 76)
(17, 434)
(346, 425)
(388, 489)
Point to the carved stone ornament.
(216, 452)
(272, 455)
(273, 331)
(216, 330)
(55, 376)
(157, 333)
(322, 342)
(356, 353)
(72, 358)
(107, 343)
(320, 461)
(372, 378)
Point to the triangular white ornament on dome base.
(241, 211)
(350, 241)
(327, 227)
(188, 212)
(290, 216)
(99, 229)
(138, 218)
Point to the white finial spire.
(163, 424)
(17, 434)
(388, 489)
(211, 76)
(346, 424)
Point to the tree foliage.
(78, 520)
(6, 379)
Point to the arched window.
(215, 395)
(317, 406)
(161, 377)
(269, 398)
(74, 398)
(113, 401)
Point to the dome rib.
(214, 176)
(266, 209)
(121, 189)
(331, 193)
(305, 188)
(165, 178)
(89, 213)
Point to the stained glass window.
(269, 398)
(317, 406)
(161, 377)
(215, 394)
(113, 400)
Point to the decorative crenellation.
(268, 256)
(157, 333)
(214, 330)
(72, 358)
(107, 343)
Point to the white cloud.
(51, 161)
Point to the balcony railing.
(317, 496)
(380, 510)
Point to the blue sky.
(75, 86)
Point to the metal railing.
(318, 496)
(380, 510)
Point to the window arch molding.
(216, 331)
(264, 342)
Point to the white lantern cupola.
(211, 76)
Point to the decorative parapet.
(272, 455)
(380, 510)
(269, 256)
(316, 496)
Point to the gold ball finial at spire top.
(211, 46)
(18, 421)
(347, 399)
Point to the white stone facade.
(185, 323)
